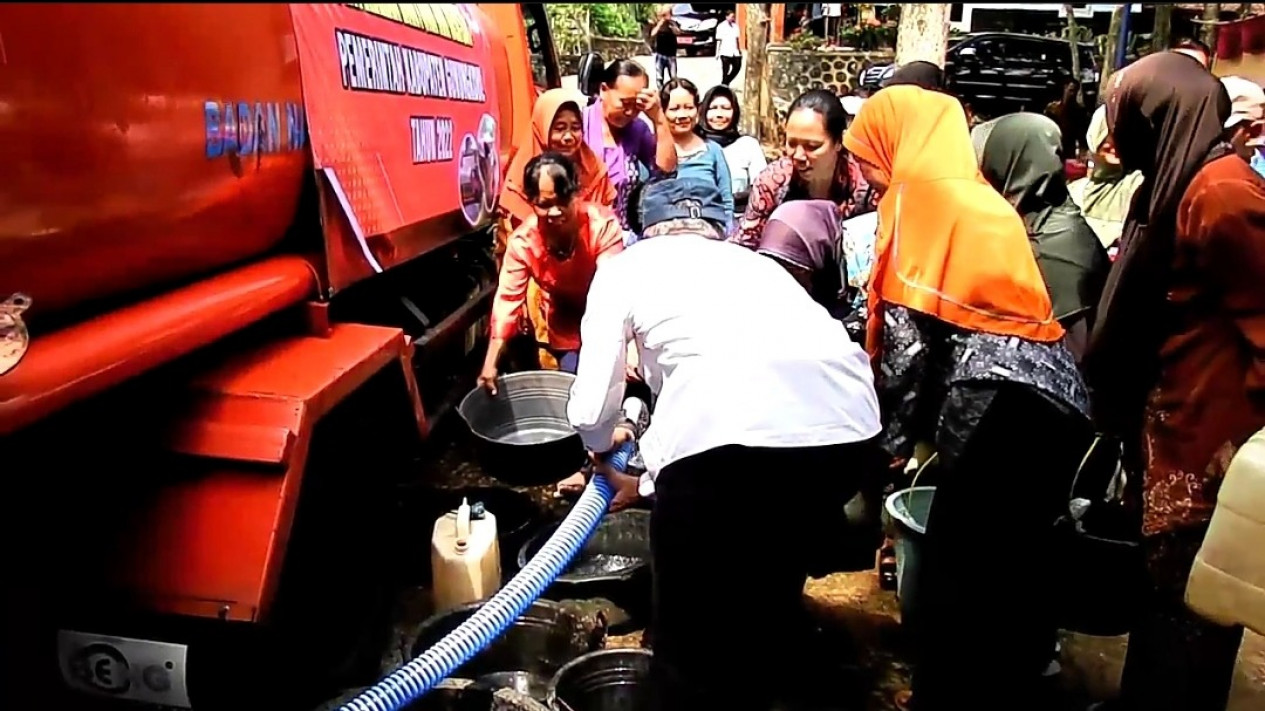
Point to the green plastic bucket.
(907, 510)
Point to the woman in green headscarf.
(1019, 155)
(1104, 195)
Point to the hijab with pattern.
(1167, 115)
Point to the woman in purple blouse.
(613, 128)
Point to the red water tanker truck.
(243, 259)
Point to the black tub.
(539, 643)
(522, 435)
(614, 564)
(609, 680)
(456, 695)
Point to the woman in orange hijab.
(557, 126)
(969, 358)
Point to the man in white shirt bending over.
(762, 430)
(727, 48)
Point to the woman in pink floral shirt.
(815, 167)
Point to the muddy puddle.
(859, 620)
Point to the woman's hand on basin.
(487, 379)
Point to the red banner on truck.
(401, 112)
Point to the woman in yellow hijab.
(968, 356)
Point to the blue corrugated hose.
(406, 684)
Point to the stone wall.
(609, 48)
(791, 72)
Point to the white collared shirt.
(736, 350)
(727, 40)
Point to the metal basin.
(522, 434)
(609, 680)
(530, 685)
(456, 695)
(614, 564)
(539, 643)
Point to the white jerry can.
(1227, 582)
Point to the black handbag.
(1102, 572)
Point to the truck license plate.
(124, 668)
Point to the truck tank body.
(144, 144)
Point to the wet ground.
(853, 610)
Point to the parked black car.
(697, 25)
(1002, 72)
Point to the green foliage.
(567, 24)
(869, 38)
(573, 23)
(617, 20)
(805, 42)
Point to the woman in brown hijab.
(1177, 362)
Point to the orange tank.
(129, 165)
(155, 149)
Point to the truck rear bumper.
(212, 545)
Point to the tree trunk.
(1162, 34)
(753, 86)
(923, 33)
(586, 26)
(1212, 15)
(1073, 46)
(1109, 52)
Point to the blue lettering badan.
(249, 128)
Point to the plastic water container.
(465, 557)
(1227, 582)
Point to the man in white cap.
(1246, 124)
(763, 428)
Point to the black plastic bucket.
(609, 680)
(539, 643)
(909, 509)
(455, 695)
(614, 563)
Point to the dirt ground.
(854, 606)
(866, 622)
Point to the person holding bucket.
(559, 247)
(557, 125)
(968, 356)
(1176, 360)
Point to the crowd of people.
(899, 287)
